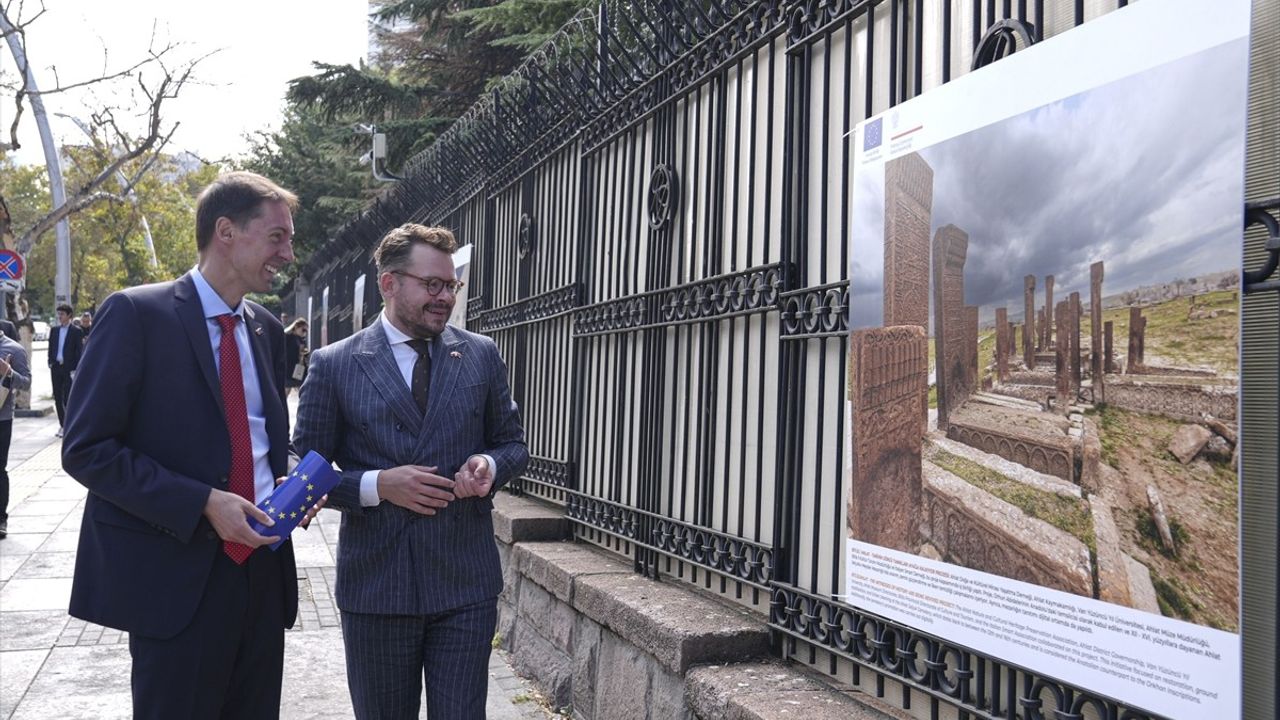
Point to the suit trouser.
(6, 437)
(61, 377)
(389, 656)
(229, 661)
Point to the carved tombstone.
(1063, 373)
(888, 371)
(950, 321)
(1142, 342)
(1074, 329)
(1029, 320)
(1041, 323)
(908, 207)
(1133, 363)
(1096, 368)
(1047, 333)
(1110, 365)
(1002, 344)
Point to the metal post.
(62, 278)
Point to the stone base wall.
(978, 530)
(604, 643)
(1043, 454)
(1182, 401)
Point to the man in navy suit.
(419, 417)
(177, 426)
(64, 356)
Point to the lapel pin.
(257, 330)
(455, 355)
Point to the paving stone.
(80, 683)
(36, 594)
(47, 565)
(31, 630)
(19, 668)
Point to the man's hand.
(416, 488)
(315, 509)
(474, 479)
(4, 365)
(227, 512)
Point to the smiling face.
(410, 307)
(255, 252)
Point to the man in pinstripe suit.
(419, 417)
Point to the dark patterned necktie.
(241, 478)
(421, 372)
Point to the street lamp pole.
(62, 248)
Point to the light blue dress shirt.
(263, 480)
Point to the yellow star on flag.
(310, 486)
(308, 498)
(281, 516)
(304, 477)
(293, 515)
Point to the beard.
(418, 323)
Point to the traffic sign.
(11, 286)
(11, 265)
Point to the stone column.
(1042, 321)
(1029, 322)
(950, 319)
(1096, 355)
(1132, 363)
(970, 358)
(887, 371)
(1142, 342)
(1074, 329)
(1047, 333)
(1063, 373)
(1110, 366)
(1002, 344)
(908, 207)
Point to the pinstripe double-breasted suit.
(356, 410)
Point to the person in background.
(16, 373)
(295, 353)
(86, 326)
(64, 358)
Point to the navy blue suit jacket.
(146, 434)
(356, 410)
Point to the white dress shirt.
(264, 481)
(405, 357)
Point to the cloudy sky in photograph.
(1145, 174)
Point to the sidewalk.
(54, 666)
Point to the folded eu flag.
(288, 504)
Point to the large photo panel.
(1044, 358)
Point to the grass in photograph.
(1172, 337)
(1071, 515)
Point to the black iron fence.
(659, 203)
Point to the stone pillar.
(1142, 342)
(1132, 362)
(950, 320)
(970, 358)
(1047, 333)
(1029, 322)
(1074, 329)
(908, 207)
(1042, 317)
(1095, 333)
(1002, 344)
(1110, 364)
(888, 368)
(1063, 373)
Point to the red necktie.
(237, 424)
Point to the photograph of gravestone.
(1061, 290)
(1044, 358)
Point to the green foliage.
(108, 246)
(317, 161)
(1071, 515)
(521, 24)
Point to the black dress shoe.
(4, 529)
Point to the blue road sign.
(11, 266)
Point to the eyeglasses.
(434, 285)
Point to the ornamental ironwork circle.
(525, 238)
(663, 192)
